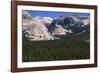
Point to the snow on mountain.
(45, 20)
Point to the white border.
(52, 63)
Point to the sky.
(54, 14)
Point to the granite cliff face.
(34, 28)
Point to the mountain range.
(46, 28)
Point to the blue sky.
(54, 14)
